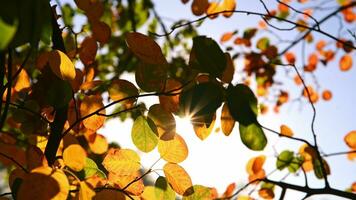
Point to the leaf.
(144, 134)
(199, 192)
(121, 181)
(345, 62)
(227, 36)
(85, 192)
(242, 104)
(109, 195)
(266, 193)
(88, 50)
(163, 190)
(284, 159)
(74, 156)
(61, 65)
(286, 131)
(202, 130)
(295, 164)
(174, 151)
(228, 5)
(229, 71)
(350, 139)
(44, 183)
(98, 144)
(255, 164)
(327, 95)
(201, 101)
(89, 105)
(101, 32)
(262, 43)
(149, 193)
(229, 190)
(120, 89)
(151, 77)
(145, 48)
(199, 7)
(90, 169)
(318, 171)
(7, 32)
(122, 161)
(177, 177)
(35, 157)
(253, 136)
(209, 56)
(164, 121)
(171, 103)
(227, 122)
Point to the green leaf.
(90, 169)
(318, 170)
(7, 33)
(284, 159)
(209, 56)
(198, 192)
(163, 190)
(295, 164)
(201, 101)
(144, 134)
(253, 136)
(266, 185)
(249, 33)
(242, 104)
(263, 43)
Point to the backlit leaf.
(209, 56)
(345, 62)
(85, 192)
(144, 134)
(177, 177)
(89, 105)
(98, 144)
(7, 33)
(174, 151)
(242, 104)
(151, 77)
(228, 5)
(88, 50)
(121, 181)
(199, 192)
(74, 157)
(122, 161)
(101, 32)
(350, 139)
(145, 48)
(120, 89)
(163, 190)
(227, 122)
(61, 65)
(284, 159)
(202, 130)
(164, 121)
(90, 169)
(285, 130)
(199, 7)
(171, 103)
(44, 183)
(229, 71)
(255, 164)
(253, 136)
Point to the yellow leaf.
(149, 193)
(120, 89)
(85, 192)
(89, 105)
(174, 150)
(99, 144)
(121, 181)
(122, 161)
(227, 122)
(177, 177)
(145, 48)
(164, 121)
(202, 131)
(61, 65)
(22, 81)
(228, 5)
(74, 157)
(350, 139)
(286, 131)
(44, 183)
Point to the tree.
(59, 74)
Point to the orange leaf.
(266, 193)
(22, 81)
(164, 121)
(345, 63)
(88, 50)
(61, 65)
(177, 177)
(122, 161)
(122, 180)
(74, 156)
(35, 157)
(229, 190)
(327, 95)
(120, 89)
(89, 105)
(99, 144)
(228, 5)
(350, 139)
(199, 7)
(229, 71)
(255, 164)
(290, 57)
(101, 32)
(226, 37)
(227, 122)
(171, 103)
(174, 150)
(286, 131)
(44, 183)
(145, 48)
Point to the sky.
(220, 160)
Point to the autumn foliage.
(59, 86)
